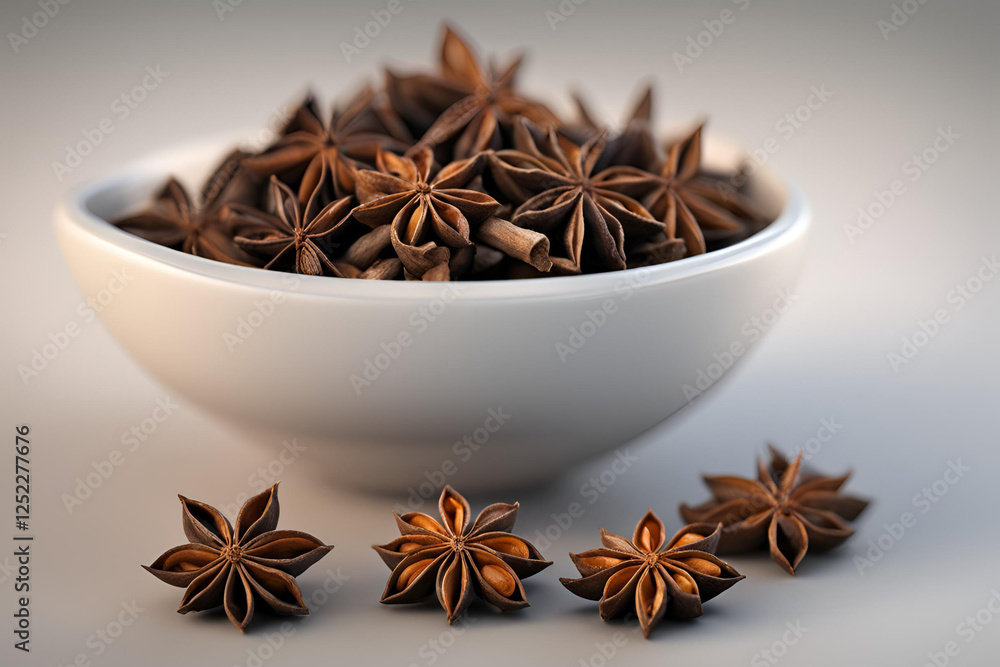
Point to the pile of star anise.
(454, 175)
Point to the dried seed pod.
(684, 582)
(703, 566)
(500, 580)
(651, 575)
(425, 522)
(779, 510)
(508, 544)
(601, 562)
(460, 559)
(618, 581)
(411, 572)
(266, 560)
(363, 252)
(383, 269)
(689, 538)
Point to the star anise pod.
(431, 215)
(651, 576)
(470, 104)
(237, 567)
(327, 154)
(633, 145)
(572, 205)
(458, 561)
(781, 508)
(298, 236)
(659, 249)
(173, 219)
(691, 206)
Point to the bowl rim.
(74, 211)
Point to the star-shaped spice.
(691, 207)
(351, 138)
(469, 105)
(430, 215)
(632, 146)
(574, 207)
(781, 508)
(459, 562)
(298, 236)
(651, 576)
(521, 194)
(236, 568)
(173, 220)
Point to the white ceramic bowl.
(485, 385)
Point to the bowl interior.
(92, 206)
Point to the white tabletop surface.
(887, 96)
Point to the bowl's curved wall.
(499, 383)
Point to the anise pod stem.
(524, 244)
(383, 269)
(363, 252)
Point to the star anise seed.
(296, 235)
(350, 139)
(235, 568)
(572, 205)
(459, 558)
(430, 214)
(690, 205)
(469, 104)
(788, 513)
(652, 576)
(633, 145)
(173, 220)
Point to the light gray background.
(826, 360)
